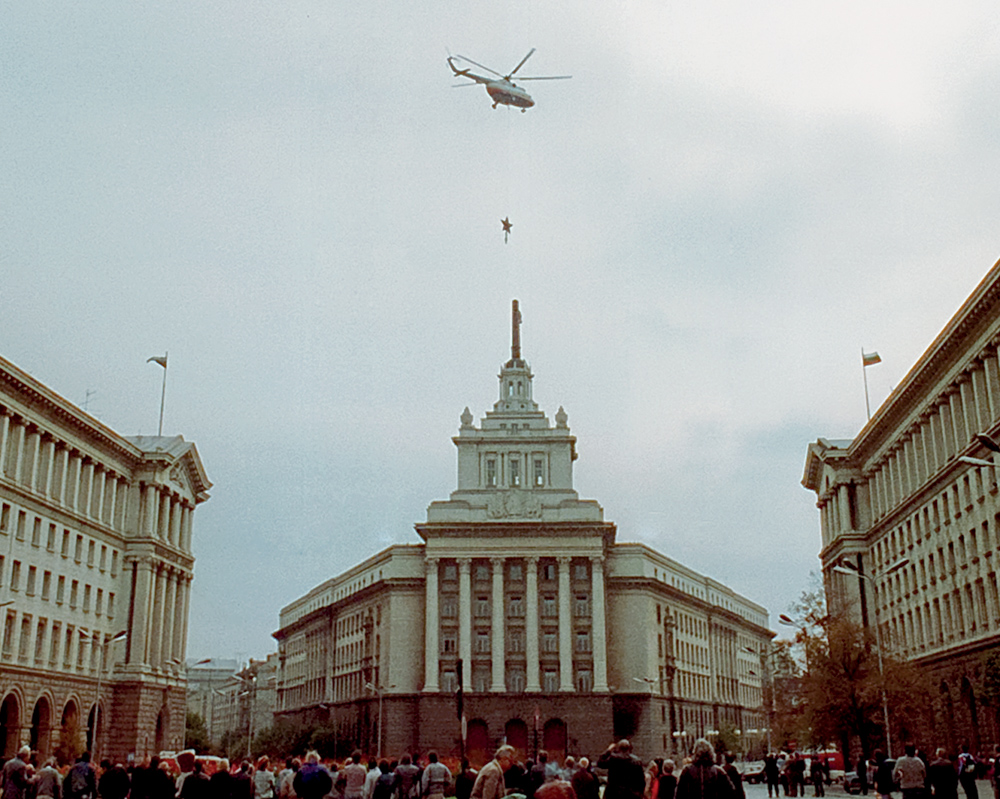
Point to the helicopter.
(501, 88)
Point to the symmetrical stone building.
(900, 506)
(95, 574)
(566, 637)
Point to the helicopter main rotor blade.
(549, 77)
(481, 66)
(513, 71)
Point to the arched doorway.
(554, 740)
(69, 734)
(10, 725)
(162, 727)
(40, 739)
(477, 743)
(516, 733)
(969, 699)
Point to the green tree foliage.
(196, 734)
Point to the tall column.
(50, 457)
(597, 620)
(17, 443)
(143, 585)
(163, 527)
(176, 526)
(183, 610)
(532, 682)
(87, 488)
(156, 624)
(149, 507)
(4, 441)
(465, 618)
(565, 628)
(431, 626)
(112, 502)
(44, 661)
(169, 616)
(498, 644)
(63, 472)
(31, 453)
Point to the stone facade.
(921, 526)
(567, 639)
(95, 531)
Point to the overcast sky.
(710, 220)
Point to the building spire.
(515, 331)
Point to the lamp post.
(680, 738)
(99, 637)
(845, 568)
(650, 681)
(378, 690)
(768, 676)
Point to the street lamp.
(650, 681)
(99, 637)
(378, 690)
(846, 568)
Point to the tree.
(196, 734)
(843, 691)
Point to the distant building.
(567, 639)
(246, 701)
(95, 575)
(899, 506)
(208, 682)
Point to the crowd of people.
(916, 775)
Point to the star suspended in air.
(507, 225)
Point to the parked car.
(753, 772)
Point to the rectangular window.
(46, 585)
(449, 681)
(482, 642)
(584, 681)
(54, 644)
(50, 545)
(449, 643)
(29, 589)
(580, 571)
(36, 533)
(61, 590)
(99, 605)
(549, 606)
(481, 679)
(515, 680)
(65, 543)
(539, 472)
(581, 605)
(549, 571)
(550, 642)
(515, 606)
(114, 563)
(449, 606)
(8, 633)
(516, 571)
(74, 592)
(78, 552)
(90, 553)
(450, 571)
(15, 576)
(491, 472)
(515, 470)
(482, 571)
(40, 642)
(22, 646)
(515, 641)
(104, 557)
(22, 520)
(583, 640)
(4, 518)
(483, 606)
(86, 599)
(550, 681)
(111, 604)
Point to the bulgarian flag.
(869, 358)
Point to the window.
(516, 571)
(516, 606)
(104, 557)
(21, 522)
(515, 469)
(114, 563)
(15, 576)
(90, 553)
(111, 604)
(515, 641)
(549, 571)
(583, 640)
(5, 518)
(54, 648)
(580, 571)
(515, 680)
(74, 592)
(539, 472)
(100, 603)
(581, 605)
(550, 680)
(22, 648)
(449, 643)
(481, 679)
(450, 571)
(65, 543)
(50, 545)
(482, 642)
(46, 585)
(449, 606)
(550, 642)
(483, 606)
(8, 633)
(40, 641)
(549, 605)
(584, 681)
(78, 552)
(32, 579)
(61, 590)
(482, 571)
(449, 681)
(491, 472)
(86, 599)
(36, 533)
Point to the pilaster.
(497, 646)
(465, 618)
(431, 626)
(532, 683)
(565, 630)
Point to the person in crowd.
(47, 782)
(464, 780)
(80, 781)
(286, 775)
(626, 776)
(702, 779)
(313, 780)
(911, 773)
(537, 774)
(354, 775)
(263, 780)
(967, 767)
(568, 769)
(883, 775)
(584, 782)
(196, 784)
(668, 781)
(16, 779)
(489, 782)
(995, 776)
(772, 774)
(384, 784)
(652, 780)
(220, 784)
(817, 776)
(555, 789)
(942, 776)
(370, 778)
(115, 782)
(862, 770)
(407, 779)
(436, 779)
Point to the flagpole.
(163, 393)
(864, 371)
